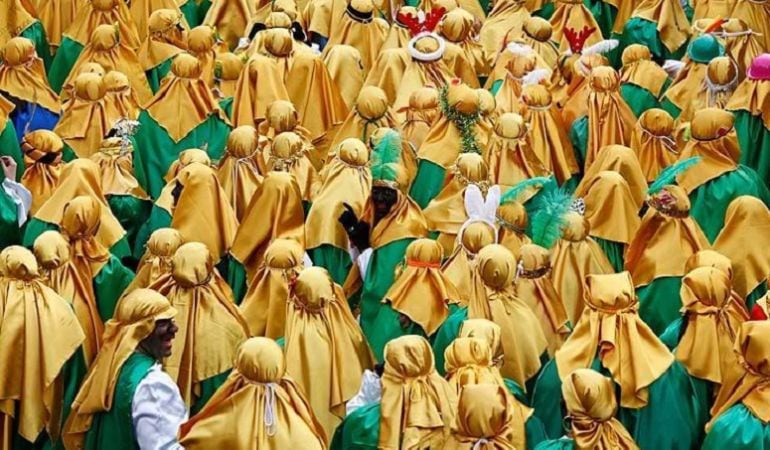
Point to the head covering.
(575, 256)
(404, 220)
(274, 212)
(156, 260)
(16, 16)
(538, 34)
(186, 157)
(241, 168)
(40, 334)
(55, 16)
(202, 348)
(485, 420)
(251, 103)
(142, 13)
(714, 139)
(611, 208)
(422, 291)
(460, 267)
(115, 160)
(164, 38)
(721, 81)
(652, 140)
(509, 155)
(202, 192)
(346, 70)
(572, 14)
(22, 75)
(666, 225)
(318, 317)
(201, 43)
(620, 159)
(534, 287)
(227, 71)
(468, 361)
(610, 322)
(639, 70)
(81, 177)
(229, 18)
(670, 19)
(360, 28)
(522, 334)
(417, 405)
(120, 96)
(134, 320)
(753, 94)
(747, 222)
(346, 178)
(289, 153)
(547, 133)
(742, 44)
(489, 332)
(420, 115)
(264, 305)
(259, 407)
(42, 157)
(506, 17)
(748, 385)
(591, 408)
(106, 49)
(371, 111)
(690, 81)
(59, 272)
(184, 91)
(610, 119)
(573, 95)
(103, 12)
(712, 323)
(79, 224)
(85, 120)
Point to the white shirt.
(157, 410)
(370, 392)
(20, 196)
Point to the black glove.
(357, 231)
(348, 217)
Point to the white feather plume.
(519, 49)
(604, 46)
(673, 67)
(535, 77)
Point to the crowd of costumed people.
(373, 225)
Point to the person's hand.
(348, 218)
(9, 167)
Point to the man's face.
(158, 344)
(383, 198)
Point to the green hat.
(704, 48)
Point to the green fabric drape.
(604, 13)
(659, 302)
(614, 251)
(237, 279)
(132, 213)
(159, 218)
(35, 227)
(447, 333)
(641, 31)
(9, 146)
(668, 106)
(114, 429)
(755, 295)
(640, 99)
(154, 150)
(208, 387)
(738, 429)
(754, 140)
(65, 59)
(672, 419)
(158, 73)
(109, 285)
(379, 277)
(578, 135)
(36, 33)
(710, 200)
(227, 106)
(427, 183)
(336, 260)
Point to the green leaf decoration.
(465, 123)
(668, 175)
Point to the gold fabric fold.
(22, 75)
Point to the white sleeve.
(363, 262)
(157, 410)
(370, 392)
(21, 197)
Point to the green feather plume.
(386, 154)
(548, 218)
(668, 175)
(513, 193)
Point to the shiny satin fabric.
(611, 209)
(365, 34)
(649, 256)
(535, 287)
(404, 220)
(56, 16)
(259, 407)
(81, 177)
(591, 406)
(345, 179)
(119, 95)
(275, 211)
(460, 266)
(512, 218)
(510, 156)
(652, 140)
(712, 324)
(713, 139)
(164, 38)
(420, 115)
(41, 178)
(103, 12)
(573, 14)
(201, 191)
(610, 119)
(40, 333)
(620, 159)
(370, 112)
(347, 71)
(742, 239)
(79, 225)
(610, 322)
(639, 69)
(748, 384)
(670, 19)
(418, 406)
(326, 351)
(210, 325)
(242, 168)
(22, 75)
(522, 335)
(156, 261)
(752, 96)
(485, 420)
(134, 320)
(204, 43)
(229, 18)
(142, 10)
(115, 163)
(421, 291)
(575, 256)
(505, 17)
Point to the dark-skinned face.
(177, 191)
(158, 343)
(383, 199)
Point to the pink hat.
(760, 68)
